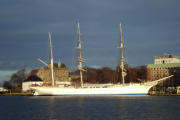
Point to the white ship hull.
(131, 89)
(109, 89)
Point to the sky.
(150, 28)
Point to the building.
(163, 66)
(178, 90)
(2, 90)
(61, 74)
(43, 76)
(27, 84)
(164, 59)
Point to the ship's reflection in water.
(89, 108)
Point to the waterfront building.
(61, 74)
(178, 90)
(163, 66)
(27, 84)
(43, 76)
(165, 59)
(2, 89)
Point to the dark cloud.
(150, 28)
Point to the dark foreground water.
(89, 108)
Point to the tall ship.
(97, 89)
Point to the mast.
(122, 57)
(52, 64)
(80, 59)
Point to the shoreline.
(164, 94)
(30, 94)
(16, 94)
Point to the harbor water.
(89, 108)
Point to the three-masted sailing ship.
(95, 90)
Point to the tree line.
(15, 82)
(108, 75)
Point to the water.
(89, 108)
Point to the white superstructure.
(98, 89)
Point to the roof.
(33, 72)
(32, 78)
(169, 65)
(166, 56)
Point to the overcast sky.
(150, 28)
